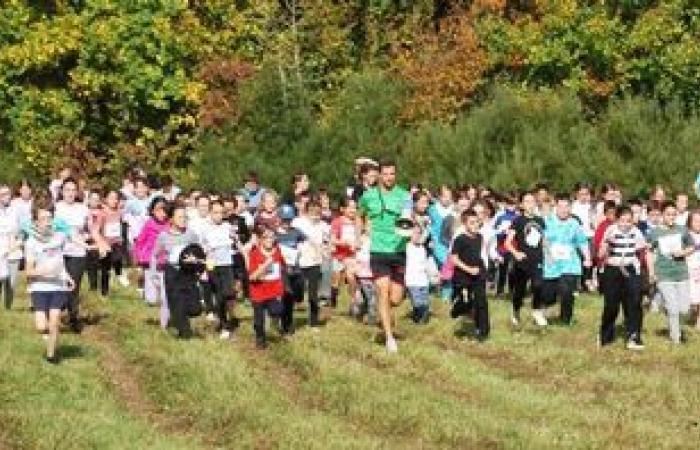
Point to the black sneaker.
(75, 326)
(51, 359)
(459, 308)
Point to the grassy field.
(126, 384)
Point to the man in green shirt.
(671, 245)
(381, 206)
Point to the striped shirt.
(623, 246)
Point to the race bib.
(560, 252)
(668, 245)
(174, 256)
(113, 229)
(347, 233)
(533, 237)
(290, 255)
(272, 273)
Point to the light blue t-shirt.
(562, 239)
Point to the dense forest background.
(503, 92)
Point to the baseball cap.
(287, 212)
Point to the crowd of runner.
(200, 253)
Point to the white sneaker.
(515, 319)
(225, 334)
(45, 336)
(123, 280)
(632, 345)
(391, 345)
(211, 317)
(539, 318)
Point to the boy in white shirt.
(317, 240)
(218, 242)
(420, 270)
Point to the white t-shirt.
(584, 211)
(76, 216)
(48, 257)
(23, 209)
(417, 266)
(199, 225)
(9, 228)
(218, 244)
(316, 234)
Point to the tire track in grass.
(284, 399)
(289, 379)
(295, 364)
(123, 378)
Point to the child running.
(470, 273)
(47, 277)
(266, 267)
(671, 245)
(620, 251)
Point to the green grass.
(126, 384)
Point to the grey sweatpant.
(675, 300)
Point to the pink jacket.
(145, 242)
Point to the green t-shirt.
(663, 242)
(382, 209)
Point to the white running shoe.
(225, 334)
(391, 345)
(539, 318)
(123, 280)
(515, 318)
(211, 317)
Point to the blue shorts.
(44, 301)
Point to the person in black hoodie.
(470, 274)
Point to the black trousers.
(622, 288)
(522, 274)
(221, 280)
(178, 287)
(8, 291)
(75, 266)
(477, 292)
(206, 290)
(273, 307)
(241, 274)
(92, 264)
(561, 288)
(293, 294)
(114, 260)
(504, 274)
(476, 295)
(312, 279)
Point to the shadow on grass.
(70, 351)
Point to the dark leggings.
(623, 288)
(221, 281)
(294, 293)
(75, 266)
(113, 260)
(504, 274)
(312, 279)
(522, 273)
(179, 287)
(273, 308)
(562, 288)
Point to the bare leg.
(54, 321)
(383, 304)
